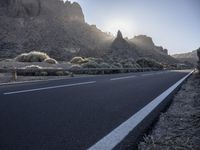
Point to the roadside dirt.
(179, 127)
(10, 64)
(7, 78)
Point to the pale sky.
(173, 24)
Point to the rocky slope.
(53, 26)
(140, 46)
(59, 29)
(190, 57)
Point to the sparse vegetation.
(145, 63)
(178, 128)
(78, 60)
(32, 67)
(33, 56)
(105, 65)
(91, 64)
(50, 61)
(75, 67)
(117, 65)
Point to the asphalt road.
(74, 114)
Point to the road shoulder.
(178, 128)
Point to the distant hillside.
(59, 29)
(190, 57)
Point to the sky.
(173, 24)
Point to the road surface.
(75, 113)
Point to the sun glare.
(127, 28)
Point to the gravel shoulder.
(7, 78)
(10, 64)
(179, 127)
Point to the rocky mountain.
(198, 64)
(190, 57)
(52, 26)
(59, 29)
(140, 46)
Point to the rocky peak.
(119, 35)
(120, 42)
(74, 12)
(144, 40)
(33, 8)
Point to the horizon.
(141, 17)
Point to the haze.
(173, 24)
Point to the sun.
(126, 27)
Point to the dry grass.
(78, 60)
(50, 61)
(179, 127)
(33, 56)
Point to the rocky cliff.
(59, 29)
(146, 42)
(52, 26)
(139, 47)
(190, 57)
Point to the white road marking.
(122, 78)
(118, 134)
(48, 88)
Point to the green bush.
(50, 61)
(33, 56)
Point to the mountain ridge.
(190, 57)
(59, 29)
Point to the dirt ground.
(179, 127)
(11, 63)
(7, 78)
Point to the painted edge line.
(48, 88)
(121, 78)
(118, 134)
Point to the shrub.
(31, 70)
(91, 64)
(33, 56)
(75, 67)
(32, 67)
(104, 65)
(50, 61)
(117, 65)
(128, 65)
(97, 60)
(60, 73)
(145, 63)
(78, 60)
(41, 73)
(137, 66)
